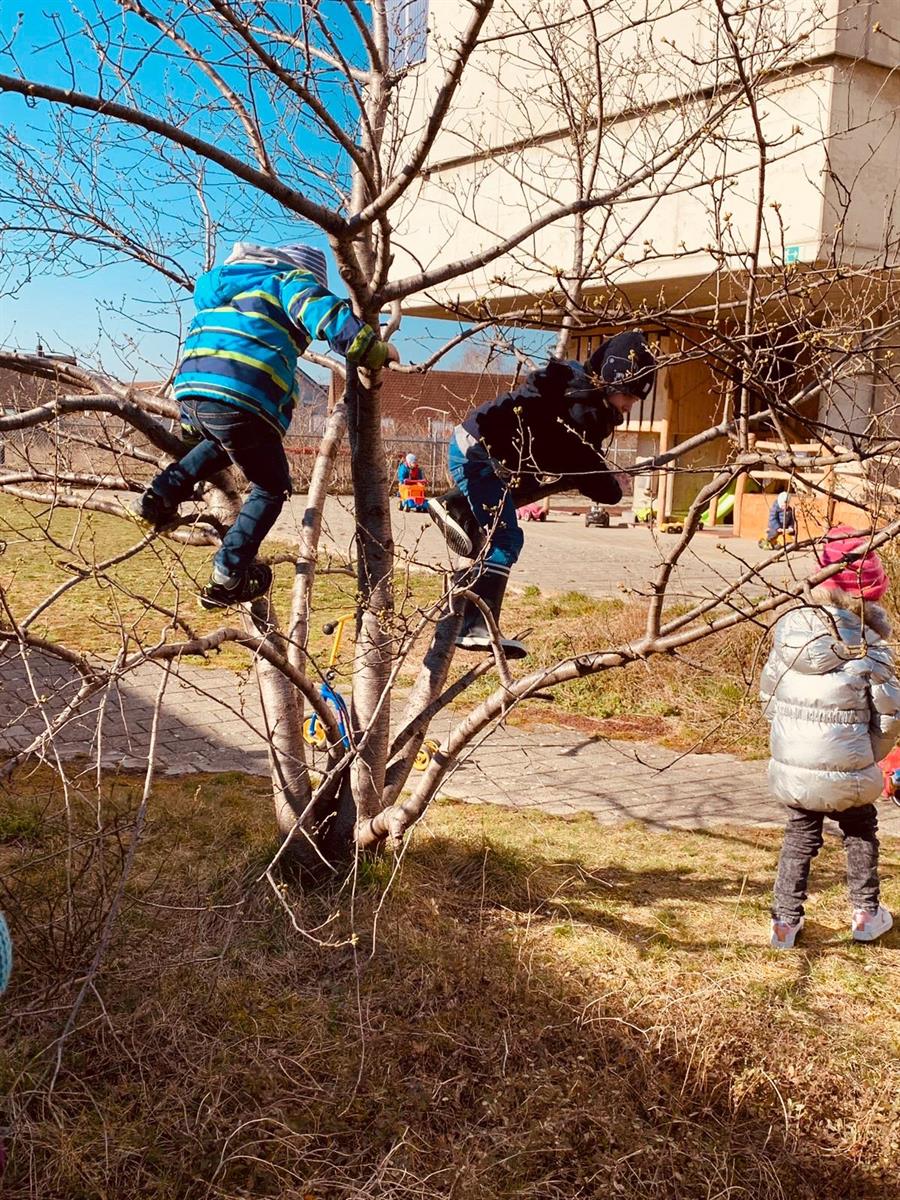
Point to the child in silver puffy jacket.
(832, 699)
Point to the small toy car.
(780, 539)
(412, 497)
(596, 517)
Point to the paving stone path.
(562, 555)
(211, 720)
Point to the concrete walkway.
(211, 721)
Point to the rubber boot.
(154, 512)
(453, 515)
(474, 634)
(226, 591)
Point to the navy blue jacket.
(555, 423)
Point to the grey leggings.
(802, 842)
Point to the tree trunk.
(370, 710)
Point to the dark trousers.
(491, 500)
(231, 435)
(802, 842)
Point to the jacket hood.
(822, 639)
(582, 390)
(222, 284)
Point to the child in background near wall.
(832, 699)
(409, 470)
(236, 386)
(781, 520)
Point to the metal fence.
(76, 444)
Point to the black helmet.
(625, 364)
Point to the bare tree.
(297, 112)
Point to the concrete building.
(666, 110)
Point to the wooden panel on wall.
(813, 517)
(696, 402)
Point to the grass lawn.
(136, 602)
(528, 1007)
(705, 696)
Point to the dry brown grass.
(704, 697)
(542, 1009)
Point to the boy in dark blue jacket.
(555, 425)
(235, 384)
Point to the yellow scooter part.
(425, 755)
(314, 735)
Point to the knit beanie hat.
(625, 364)
(293, 254)
(863, 574)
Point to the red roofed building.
(418, 414)
(429, 405)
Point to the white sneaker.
(784, 934)
(453, 515)
(867, 927)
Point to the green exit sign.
(791, 254)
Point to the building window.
(407, 22)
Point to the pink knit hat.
(863, 574)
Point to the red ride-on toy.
(412, 497)
(532, 512)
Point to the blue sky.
(112, 311)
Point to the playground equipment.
(314, 732)
(648, 516)
(645, 515)
(532, 512)
(412, 497)
(783, 538)
(724, 506)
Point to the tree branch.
(293, 200)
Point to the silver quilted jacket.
(833, 703)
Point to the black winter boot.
(453, 515)
(154, 512)
(490, 586)
(224, 591)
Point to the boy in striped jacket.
(235, 385)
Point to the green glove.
(378, 354)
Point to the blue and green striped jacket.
(252, 325)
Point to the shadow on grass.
(461, 1046)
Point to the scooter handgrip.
(329, 627)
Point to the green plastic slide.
(724, 506)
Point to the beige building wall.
(829, 118)
(830, 115)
